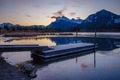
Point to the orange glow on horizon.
(28, 22)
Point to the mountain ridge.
(101, 20)
(64, 23)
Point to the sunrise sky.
(43, 12)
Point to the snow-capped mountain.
(63, 23)
(63, 18)
(9, 25)
(101, 20)
(102, 16)
(1, 25)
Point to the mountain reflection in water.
(103, 64)
(103, 43)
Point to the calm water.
(104, 64)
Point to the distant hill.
(6, 25)
(10, 26)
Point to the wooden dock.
(24, 47)
(45, 53)
(61, 50)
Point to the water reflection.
(84, 69)
(14, 58)
(103, 43)
(42, 41)
(91, 65)
(94, 58)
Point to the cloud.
(28, 15)
(60, 12)
(72, 14)
(53, 17)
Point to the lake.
(103, 64)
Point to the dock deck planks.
(61, 50)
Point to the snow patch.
(1, 25)
(117, 20)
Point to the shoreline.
(33, 34)
(9, 72)
(62, 34)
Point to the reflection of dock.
(28, 47)
(61, 50)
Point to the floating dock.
(21, 47)
(61, 50)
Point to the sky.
(43, 12)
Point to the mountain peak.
(105, 12)
(62, 18)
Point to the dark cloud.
(28, 15)
(72, 14)
(53, 17)
(60, 12)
